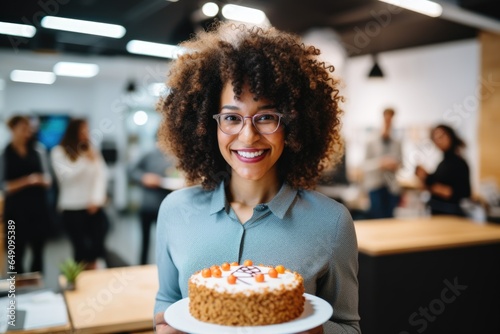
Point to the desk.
(37, 312)
(113, 300)
(428, 275)
(65, 329)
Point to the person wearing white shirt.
(82, 177)
(383, 159)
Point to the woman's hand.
(32, 180)
(151, 180)
(92, 209)
(36, 179)
(421, 173)
(162, 327)
(441, 190)
(388, 163)
(316, 330)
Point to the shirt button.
(261, 207)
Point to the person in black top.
(26, 207)
(450, 183)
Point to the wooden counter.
(113, 300)
(428, 275)
(394, 236)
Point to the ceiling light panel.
(83, 27)
(154, 49)
(38, 77)
(81, 70)
(425, 7)
(14, 29)
(243, 14)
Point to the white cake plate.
(316, 312)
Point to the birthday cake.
(245, 295)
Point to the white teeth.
(250, 155)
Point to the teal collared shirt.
(303, 230)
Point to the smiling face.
(251, 155)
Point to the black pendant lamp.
(376, 71)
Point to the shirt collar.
(283, 200)
(218, 199)
(279, 205)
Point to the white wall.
(426, 86)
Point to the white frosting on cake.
(245, 282)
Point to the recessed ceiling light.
(243, 14)
(16, 29)
(81, 70)
(210, 9)
(140, 117)
(39, 77)
(154, 49)
(425, 7)
(83, 27)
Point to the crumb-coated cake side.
(246, 295)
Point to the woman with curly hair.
(253, 116)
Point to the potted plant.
(71, 269)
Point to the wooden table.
(64, 329)
(113, 300)
(427, 275)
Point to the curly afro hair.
(275, 65)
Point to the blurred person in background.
(25, 176)
(82, 177)
(148, 172)
(450, 182)
(382, 161)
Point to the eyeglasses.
(232, 124)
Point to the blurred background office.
(431, 68)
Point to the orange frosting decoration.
(206, 273)
(259, 278)
(273, 273)
(216, 273)
(231, 279)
